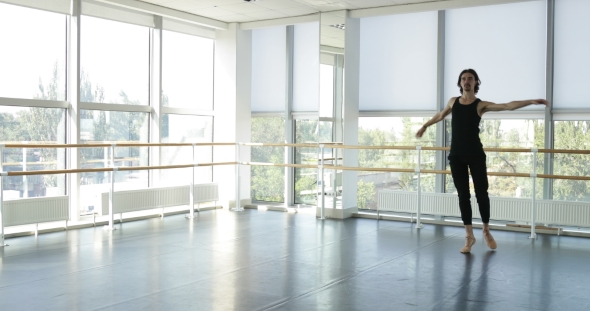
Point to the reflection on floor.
(258, 260)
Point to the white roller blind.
(58, 6)
(111, 12)
(306, 67)
(398, 62)
(571, 54)
(505, 44)
(269, 69)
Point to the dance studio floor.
(264, 260)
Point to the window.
(114, 62)
(111, 126)
(515, 133)
(306, 131)
(187, 71)
(186, 129)
(571, 135)
(40, 125)
(393, 131)
(268, 182)
(33, 54)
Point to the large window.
(33, 53)
(187, 71)
(572, 135)
(306, 186)
(186, 129)
(509, 133)
(268, 182)
(114, 62)
(32, 125)
(392, 131)
(111, 127)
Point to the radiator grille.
(143, 199)
(35, 210)
(511, 209)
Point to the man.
(467, 150)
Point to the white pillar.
(156, 99)
(351, 113)
(233, 74)
(73, 113)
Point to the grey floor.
(259, 260)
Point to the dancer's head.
(468, 80)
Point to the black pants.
(477, 166)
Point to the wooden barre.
(279, 164)
(117, 144)
(330, 145)
(109, 169)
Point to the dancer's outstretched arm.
(437, 117)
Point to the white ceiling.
(241, 11)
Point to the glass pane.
(268, 182)
(32, 125)
(393, 131)
(187, 71)
(398, 62)
(186, 129)
(111, 126)
(33, 53)
(306, 131)
(572, 135)
(572, 22)
(326, 91)
(515, 133)
(114, 62)
(507, 48)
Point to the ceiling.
(242, 11)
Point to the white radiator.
(511, 209)
(35, 210)
(150, 198)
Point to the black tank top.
(465, 129)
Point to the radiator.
(512, 209)
(35, 210)
(150, 198)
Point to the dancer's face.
(468, 82)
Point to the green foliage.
(267, 183)
(572, 135)
(365, 194)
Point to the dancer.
(467, 150)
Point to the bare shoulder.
(451, 102)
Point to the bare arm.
(489, 106)
(437, 117)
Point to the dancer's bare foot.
(469, 241)
(489, 239)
